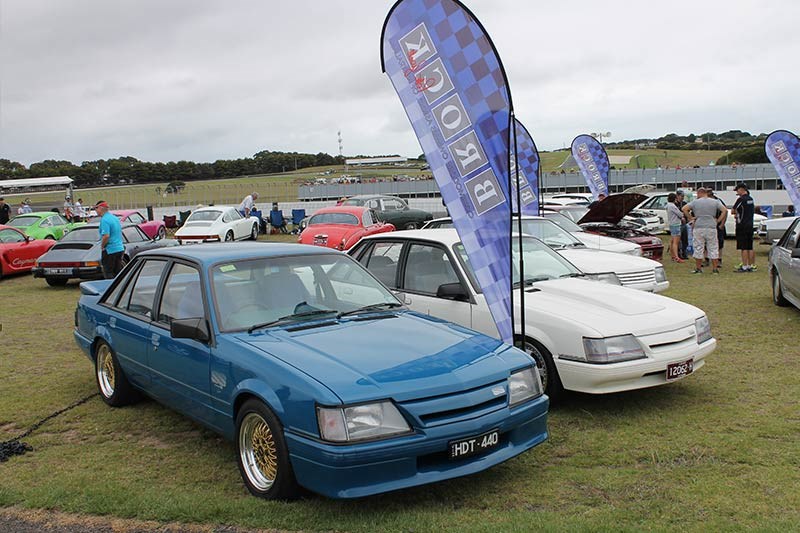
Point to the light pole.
(599, 136)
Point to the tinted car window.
(382, 261)
(133, 234)
(207, 216)
(366, 218)
(9, 235)
(139, 295)
(182, 296)
(427, 267)
(136, 218)
(22, 222)
(793, 237)
(334, 218)
(393, 204)
(82, 235)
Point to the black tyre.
(50, 238)
(411, 225)
(262, 455)
(115, 389)
(777, 291)
(254, 233)
(56, 282)
(551, 382)
(229, 236)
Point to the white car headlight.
(524, 385)
(360, 422)
(613, 349)
(637, 251)
(605, 277)
(703, 328)
(661, 275)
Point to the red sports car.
(151, 228)
(341, 227)
(19, 253)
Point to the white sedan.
(585, 336)
(609, 267)
(594, 241)
(215, 224)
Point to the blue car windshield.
(257, 292)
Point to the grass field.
(283, 187)
(718, 450)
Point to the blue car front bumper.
(356, 470)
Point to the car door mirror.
(796, 253)
(452, 291)
(190, 328)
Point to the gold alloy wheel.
(105, 370)
(258, 452)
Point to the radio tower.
(340, 143)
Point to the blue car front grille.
(463, 405)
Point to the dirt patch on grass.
(27, 520)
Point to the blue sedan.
(319, 375)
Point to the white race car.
(655, 207)
(585, 336)
(215, 224)
(771, 229)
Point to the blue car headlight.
(703, 328)
(524, 385)
(361, 422)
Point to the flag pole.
(519, 235)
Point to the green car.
(45, 225)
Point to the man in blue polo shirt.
(110, 241)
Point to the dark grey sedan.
(77, 254)
(784, 267)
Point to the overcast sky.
(201, 80)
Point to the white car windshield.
(257, 293)
(549, 232)
(204, 216)
(563, 222)
(541, 263)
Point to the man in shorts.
(702, 214)
(743, 209)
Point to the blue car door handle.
(154, 338)
(112, 322)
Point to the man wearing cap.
(110, 241)
(743, 210)
(702, 214)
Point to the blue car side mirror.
(190, 328)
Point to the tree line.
(131, 170)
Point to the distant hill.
(730, 140)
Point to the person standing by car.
(77, 212)
(248, 204)
(4, 211)
(674, 220)
(702, 214)
(721, 233)
(680, 202)
(110, 241)
(744, 209)
(789, 212)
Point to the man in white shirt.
(247, 204)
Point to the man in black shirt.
(4, 211)
(680, 202)
(743, 209)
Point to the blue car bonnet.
(403, 357)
